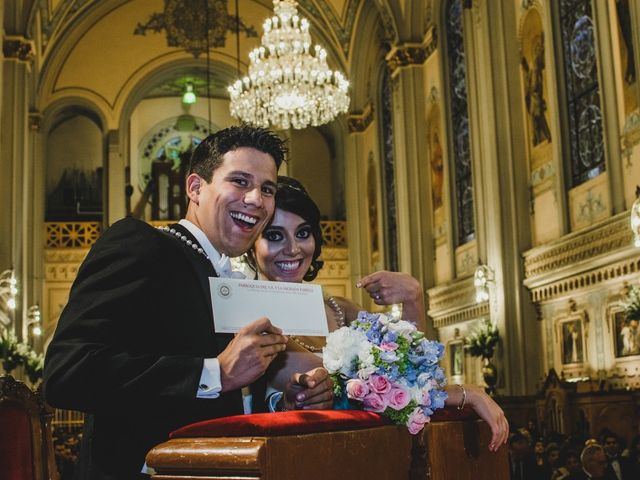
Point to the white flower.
(416, 394)
(402, 328)
(365, 355)
(366, 372)
(342, 348)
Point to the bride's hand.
(312, 390)
(490, 412)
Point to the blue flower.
(390, 337)
(388, 357)
(373, 336)
(438, 398)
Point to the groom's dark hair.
(207, 156)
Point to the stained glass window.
(459, 122)
(388, 174)
(583, 91)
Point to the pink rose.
(416, 421)
(388, 346)
(379, 384)
(398, 397)
(357, 389)
(374, 403)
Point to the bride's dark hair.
(293, 197)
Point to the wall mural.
(627, 59)
(372, 199)
(435, 157)
(535, 84)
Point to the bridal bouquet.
(385, 365)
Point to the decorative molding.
(195, 32)
(358, 122)
(434, 95)
(334, 233)
(472, 312)
(71, 234)
(428, 15)
(62, 264)
(61, 272)
(542, 174)
(630, 135)
(65, 255)
(334, 269)
(598, 241)
(35, 121)
(455, 303)
(343, 31)
(410, 54)
(526, 4)
(581, 281)
(18, 48)
(334, 253)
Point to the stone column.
(500, 186)
(16, 170)
(114, 204)
(355, 154)
(413, 195)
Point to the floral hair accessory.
(387, 366)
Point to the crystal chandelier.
(287, 85)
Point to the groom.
(135, 347)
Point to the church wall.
(148, 116)
(310, 162)
(436, 156)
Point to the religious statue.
(437, 169)
(534, 91)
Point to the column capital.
(18, 48)
(35, 120)
(359, 121)
(410, 54)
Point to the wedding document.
(296, 308)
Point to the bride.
(288, 251)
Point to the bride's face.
(285, 249)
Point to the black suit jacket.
(129, 347)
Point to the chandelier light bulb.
(11, 303)
(287, 86)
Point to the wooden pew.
(446, 449)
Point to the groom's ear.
(194, 182)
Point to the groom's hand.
(309, 391)
(249, 354)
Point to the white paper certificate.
(296, 308)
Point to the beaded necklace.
(340, 320)
(185, 239)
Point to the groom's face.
(238, 202)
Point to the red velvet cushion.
(16, 454)
(282, 423)
(299, 422)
